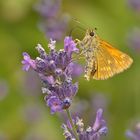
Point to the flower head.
(55, 71)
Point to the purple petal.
(27, 62)
(103, 131)
(98, 120)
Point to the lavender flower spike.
(53, 23)
(91, 133)
(55, 70)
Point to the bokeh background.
(23, 112)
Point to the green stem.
(72, 124)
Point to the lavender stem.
(72, 124)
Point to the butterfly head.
(91, 32)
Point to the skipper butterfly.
(102, 60)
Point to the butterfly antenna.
(84, 25)
(77, 21)
(75, 28)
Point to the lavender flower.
(135, 134)
(55, 70)
(93, 132)
(53, 24)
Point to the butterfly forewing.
(110, 61)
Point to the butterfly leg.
(77, 41)
(81, 52)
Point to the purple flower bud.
(66, 103)
(58, 71)
(41, 51)
(40, 64)
(55, 104)
(52, 65)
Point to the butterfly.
(102, 60)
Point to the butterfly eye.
(91, 33)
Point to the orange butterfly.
(102, 60)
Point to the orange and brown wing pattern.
(110, 61)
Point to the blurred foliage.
(19, 32)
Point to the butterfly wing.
(110, 61)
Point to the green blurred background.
(23, 113)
